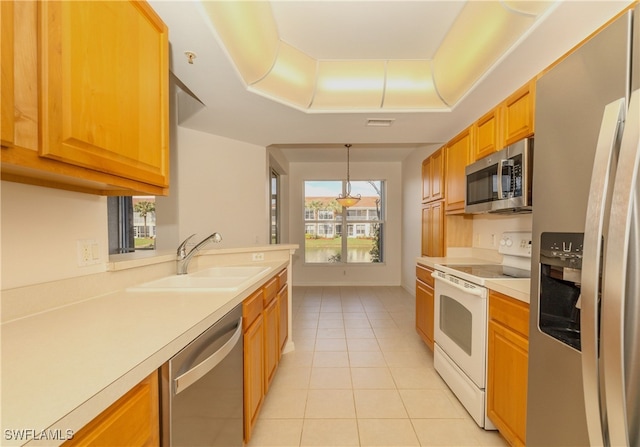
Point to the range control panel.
(515, 243)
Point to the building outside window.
(325, 219)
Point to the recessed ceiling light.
(380, 122)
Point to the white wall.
(40, 230)
(412, 213)
(222, 187)
(386, 273)
(487, 228)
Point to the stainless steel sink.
(214, 279)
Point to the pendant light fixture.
(348, 200)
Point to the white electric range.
(460, 326)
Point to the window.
(132, 223)
(324, 220)
(275, 207)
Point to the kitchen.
(81, 216)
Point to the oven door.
(461, 327)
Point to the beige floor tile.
(428, 404)
(415, 378)
(301, 333)
(330, 359)
(330, 333)
(276, 433)
(378, 404)
(284, 404)
(330, 378)
(330, 323)
(296, 359)
(330, 433)
(331, 344)
(363, 359)
(445, 432)
(363, 344)
(406, 359)
(359, 333)
(372, 378)
(291, 377)
(387, 432)
(357, 323)
(330, 404)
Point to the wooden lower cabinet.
(254, 390)
(263, 319)
(271, 341)
(508, 352)
(283, 303)
(134, 419)
(424, 304)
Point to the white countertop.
(61, 368)
(515, 288)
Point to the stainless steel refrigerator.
(584, 346)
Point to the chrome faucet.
(183, 258)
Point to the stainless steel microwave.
(501, 182)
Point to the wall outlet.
(88, 252)
(257, 256)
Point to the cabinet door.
(132, 420)
(426, 179)
(519, 114)
(104, 88)
(437, 175)
(425, 312)
(6, 82)
(283, 303)
(507, 382)
(433, 229)
(437, 243)
(487, 139)
(271, 342)
(456, 159)
(254, 390)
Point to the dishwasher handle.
(185, 380)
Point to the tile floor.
(361, 376)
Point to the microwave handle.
(500, 168)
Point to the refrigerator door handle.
(620, 256)
(600, 192)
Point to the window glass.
(325, 219)
(132, 223)
(275, 207)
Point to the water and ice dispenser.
(560, 283)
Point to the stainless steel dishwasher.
(202, 394)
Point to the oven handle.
(470, 290)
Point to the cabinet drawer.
(509, 312)
(282, 278)
(424, 274)
(270, 290)
(251, 309)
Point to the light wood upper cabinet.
(433, 176)
(6, 82)
(488, 136)
(433, 243)
(457, 156)
(91, 88)
(518, 114)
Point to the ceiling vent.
(380, 122)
